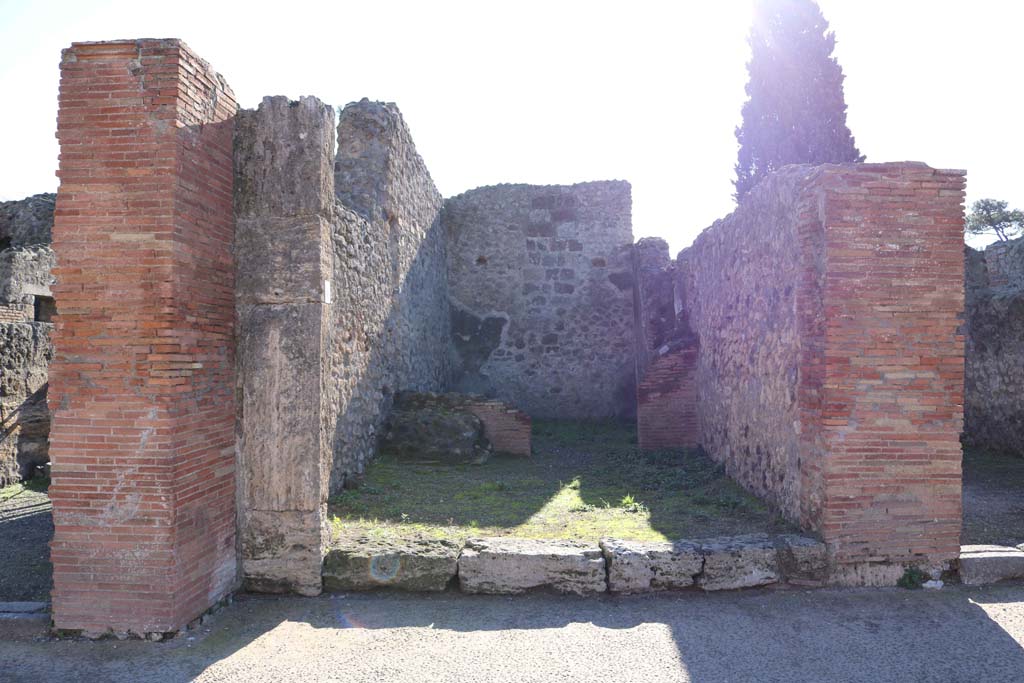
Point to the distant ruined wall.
(541, 287)
(994, 381)
(666, 354)
(830, 370)
(26, 347)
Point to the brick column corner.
(141, 385)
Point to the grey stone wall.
(541, 287)
(738, 284)
(284, 210)
(389, 276)
(26, 222)
(342, 301)
(994, 346)
(26, 264)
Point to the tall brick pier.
(142, 442)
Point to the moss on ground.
(586, 480)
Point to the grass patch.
(586, 480)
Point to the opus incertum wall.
(829, 369)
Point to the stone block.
(281, 550)
(738, 562)
(802, 560)
(515, 565)
(981, 564)
(639, 567)
(411, 565)
(283, 158)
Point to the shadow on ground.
(993, 498)
(586, 480)
(824, 635)
(26, 527)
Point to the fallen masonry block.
(981, 564)
(738, 562)
(515, 565)
(412, 565)
(802, 561)
(638, 567)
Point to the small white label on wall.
(327, 291)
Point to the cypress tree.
(796, 112)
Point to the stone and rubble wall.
(26, 265)
(389, 274)
(541, 287)
(994, 380)
(738, 286)
(141, 385)
(830, 371)
(341, 303)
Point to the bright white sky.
(558, 91)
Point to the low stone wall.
(994, 381)
(541, 287)
(511, 566)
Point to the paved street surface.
(956, 634)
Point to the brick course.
(509, 430)
(141, 386)
(666, 401)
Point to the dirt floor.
(26, 527)
(585, 481)
(993, 499)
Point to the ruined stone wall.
(738, 285)
(830, 372)
(541, 287)
(26, 264)
(389, 274)
(141, 385)
(994, 378)
(341, 299)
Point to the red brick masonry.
(141, 386)
(892, 363)
(508, 429)
(666, 401)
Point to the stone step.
(515, 565)
(981, 564)
(412, 565)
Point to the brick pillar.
(141, 385)
(893, 365)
